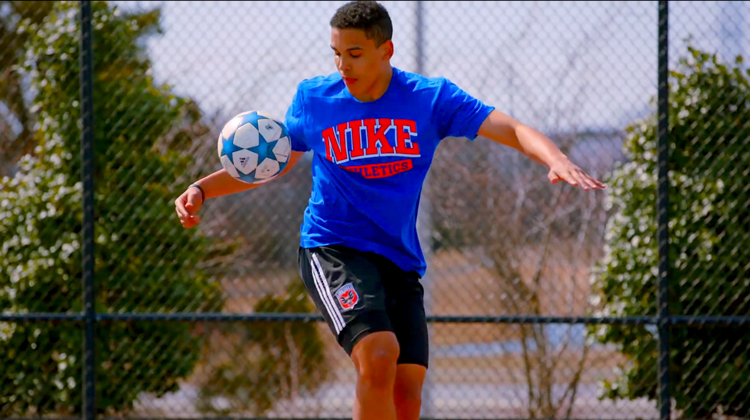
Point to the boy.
(373, 130)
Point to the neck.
(379, 88)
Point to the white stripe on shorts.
(325, 295)
(320, 286)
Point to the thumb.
(192, 204)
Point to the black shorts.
(361, 292)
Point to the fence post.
(87, 174)
(662, 213)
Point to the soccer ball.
(254, 147)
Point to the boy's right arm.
(217, 184)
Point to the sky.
(558, 66)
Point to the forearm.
(537, 146)
(220, 183)
(505, 130)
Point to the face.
(360, 63)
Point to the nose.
(343, 64)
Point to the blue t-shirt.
(370, 159)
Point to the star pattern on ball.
(264, 150)
(228, 147)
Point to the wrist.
(203, 193)
(556, 160)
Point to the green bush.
(264, 362)
(709, 222)
(144, 260)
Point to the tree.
(709, 161)
(144, 260)
(265, 362)
(536, 240)
(16, 119)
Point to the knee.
(375, 358)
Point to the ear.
(386, 49)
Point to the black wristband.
(203, 193)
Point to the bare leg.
(407, 393)
(375, 359)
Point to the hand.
(565, 170)
(187, 206)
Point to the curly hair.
(370, 16)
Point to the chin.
(353, 91)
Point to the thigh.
(347, 289)
(405, 308)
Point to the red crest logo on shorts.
(347, 296)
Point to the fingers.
(589, 182)
(190, 222)
(597, 183)
(566, 176)
(186, 211)
(576, 177)
(585, 181)
(179, 205)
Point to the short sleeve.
(458, 114)
(294, 121)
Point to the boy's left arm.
(505, 130)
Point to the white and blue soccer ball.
(254, 147)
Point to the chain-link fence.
(544, 301)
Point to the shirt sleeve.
(294, 121)
(458, 114)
